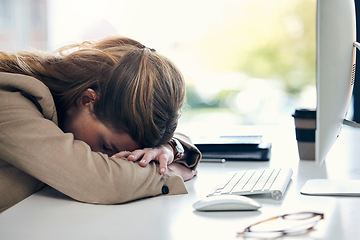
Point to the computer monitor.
(336, 34)
(336, 51)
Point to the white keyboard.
(272, 181)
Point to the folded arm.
(38, 147)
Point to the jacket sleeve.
(193, 155)
(37, 146)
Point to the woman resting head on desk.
(95, 121)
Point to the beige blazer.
(34, 152)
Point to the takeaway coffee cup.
(305, 125)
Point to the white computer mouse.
(226, 203)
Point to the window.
(244, 61)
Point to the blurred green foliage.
(273, 39)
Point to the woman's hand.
(163, 155)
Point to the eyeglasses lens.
(288, 224)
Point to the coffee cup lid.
(305, 113)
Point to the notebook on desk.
(236, 148)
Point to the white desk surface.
(50, 215)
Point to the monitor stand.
(329, 187)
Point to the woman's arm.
(185, 172)
(35, 145)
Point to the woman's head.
(138, 91)
(144, 94)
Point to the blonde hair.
(140, 91)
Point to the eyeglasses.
(287, 224)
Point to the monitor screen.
(336, 34)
